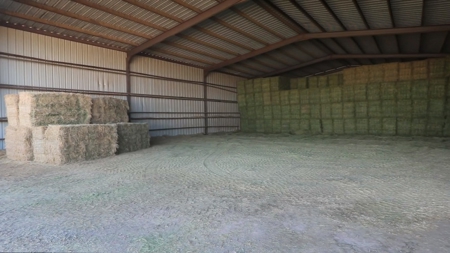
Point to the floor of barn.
(236, 193)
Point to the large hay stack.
(12, 109)
(39, 143)
(109, 110)
(132, 137)
(19, 143)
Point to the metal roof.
(237, 33)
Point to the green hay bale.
(260, 126)
(418, 127)
(404, 71)
(389, 126)
(259, 111)
(275, 97)
(435, 127)
(388, 91)
(437, 88)
(362, 126)
(348, 93)
(251, 112)
(250, 99)
(335, 80)
(265, 84)
(420, 108)
(325, 95)
(313, 82)
(403, 89)
(389, 108)
(276, 126)
(322, 81)
(374, 91)
(404, 126)
(447, 67)
(241, 100)
(436, 67)
(349, 76)
(419, 89)
(268, 112)
(267, 98)
(404, 108)
(249, 87)
(243, 112)
(305, 125)
(257, 85)
(294, 97)
(362, 74)
(293, 83)
(361, 109)
(349, 126)
(420, 70)
(295, 111)
(436, 108)
(336, 111)
(376, 73)
(285, 112)
(375, 126)
(336, 94)
(314, 95)
(244, 125)
(390, 72)
(374, 109)
(276, 111)
(304, 96)
(325, 110)
(446, 131)
(315, 126)
(360, 91)
(348, 110)
(305, 112)
(252, 126)
(285, 126)
(315, 111)
(241, 88)
(327, 126)
(284, 97)
(268, 126)
(259, 99)
(302, 83)
(294, 125)
(338, 126)
(279, 83)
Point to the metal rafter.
(391, 15)
(421, 23)
(361, 14)
(154, 10)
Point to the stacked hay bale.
(132, 137)
(18, 140)
(109, 110)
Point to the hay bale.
(376, 73)
(295, 111)
(419, 89)
(436, 67)
(243, 112)
(294, 97)
(420, 108)
(446, 132)
(267, 98)
(132, 137)
(294, 125)
(244, 125)
(338, 126)
(305, 112)
(249, 87)
(305, 125)
(349, 126)
(375, 126)
(361, 109)
(374, 91)
(285, 126)
(12, 109)
(336, 94)
(325, 111)
(279, 83)
(335, 80)
(267, 112)
(388, 108)
(437, 88)
(314, 95)
(304, 96)
(325, 94)
(404, 108)
(389, 126)
(259, 99)
(362, 126)
(285, 112)
(268, 128)
(336, 111)
(420, 70)
(362, 74)
(276, 126)
(405, 71)
(19, 143)
(38, 142)
(435, 127)
(374, 109)
(252, 126)
(275, 97)
(315, 111)
(315, 126)
(265, 85)
(348, 93)
(418, 127)
(241, 100)
(360, 91)
(260, 126)
(257, 85)
(259, 111)
(388, 91)
(348, 110)
(436, 108)
(250, 99)
(327, 126)
(293, 84)
(403, 90)
(349, 76)
(302, 83)
(313, 82)
(251, 112)
(404, 126)
(322, 81)
(276, 111)
(284, 97)
(43, 109)
(241, 88)
(391, 72)
(75, 143)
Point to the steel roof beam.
(391, 14)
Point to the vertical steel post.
(128, 81)
(205, 100)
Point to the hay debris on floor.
(42, 109)
(132, 137)
(18, 142)
(109, 110)
(12, 109)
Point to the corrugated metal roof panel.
(171, 8)
(388, 44)
(368, 44)
(437, 12)
(290, 9)
(348, 14)
(197, 46)
(376, 13)
(433, 42)
(175, 58)
(407, 13)
(409, 43)
(186, 53)
(310, 46)
(321, 15)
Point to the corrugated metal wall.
(19, 71)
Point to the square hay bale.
(259, 99)
(374, 109)
(38, 143)
(348, 93)
(293, 83)
(314, 96)
(75, 143)
(257, 85)
(418, 127)
(362, 126)
(374, 91)
(338, 126)
(42, 109)
(304, 96)
(348, 110)
(420, 89)
(12, 109)
(19, 143)
(420, 108)
(420, 70)
(276, 112)
(305, 112)
(376, 73)
(388, 91)
(267, 98)
(284, 97)
(285, 112)
(335, 80)
(390, 72)
(268, 128)
(294, 125)
(436, 108)
(435, 127)
(243, 112)
(322, 81)
(404, 108)
(315, 111)
(336, 111)
(265, 84)
(241, 100)
(285, 126)
(295, 111)
(275, 97)
(362, 74)
(259, 111)
(268, 112)
(260, 126)
(389, 108)
(349, 76)
(446, 132)
(305, 125)
(336, 94)
(405, 71)
(361, 109)
(132, 137)
(252, 126)
(302, 83)
(294, 97)
(244, 125)
(404, 126)
(325, 95)
(447, 67)
(250, 99)
(349, 126)
(360, 91)
(276, 126)
(249, 87)
(313, 82)
(240, 87)
(389, 126)
(251, 112)
(436, 67)
(315, 126)
(375, 126)
(327, 126)
(279, 83)
(325, 111)
(437, 88)
(404, 90)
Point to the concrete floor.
(236, 193)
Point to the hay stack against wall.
(39, 143)
(74, 143)
(12, 109)
(132, 137)
(19, 143)
(109, 110)
(42, 109)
